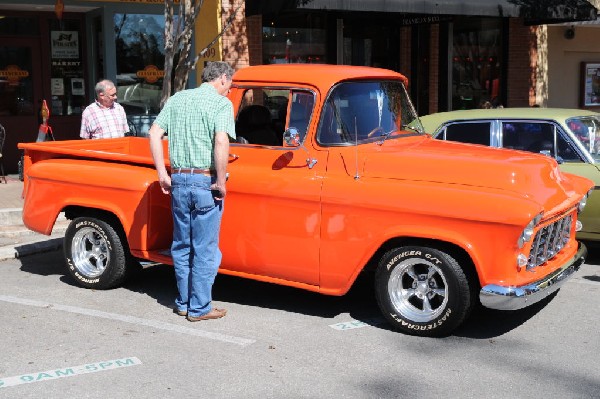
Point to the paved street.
(59, 341)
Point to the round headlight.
(529, 230)
(583, 202)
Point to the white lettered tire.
(95, 253)
(423, 291)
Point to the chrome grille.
(549, 241)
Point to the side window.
(300, 112)
(259, 118)
(565, 150)
(528, 136)
(474, 133)
(265, 113)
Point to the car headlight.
(583, 202)
(529, 230)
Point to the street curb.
(31, 248)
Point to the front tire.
(95, 253)
(423, 291)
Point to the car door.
(272, 218)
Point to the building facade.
(456, 54)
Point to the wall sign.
(64, 44)
(590, 84)
(13, 74)
(150, 74)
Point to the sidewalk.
(16, 240)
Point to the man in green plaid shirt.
(199, 123)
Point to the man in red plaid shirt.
(105, 117)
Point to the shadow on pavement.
(158, 282)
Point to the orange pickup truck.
(331, 175)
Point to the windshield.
(587, 131)
(367, 111)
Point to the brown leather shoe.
(215, 313)
(180, 312)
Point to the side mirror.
(291, 138)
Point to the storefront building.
(56, 50)
(457, 54)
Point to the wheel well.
(458, 253)
(73, 211)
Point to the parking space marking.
(132, 320)
(68, 371)
(352, 324)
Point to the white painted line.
(352, 324)
(68, 371)
(132, 320)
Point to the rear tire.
(423, 291)
(95, 253)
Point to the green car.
(571, 136)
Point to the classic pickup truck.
(331, 176)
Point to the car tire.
(95, 253)
(423, 291)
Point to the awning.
(533, 11)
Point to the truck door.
(271, 224)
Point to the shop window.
(140, 61)
(477, 63)
(67, 85)
(294, 40)
(19, 26)
(16, 88)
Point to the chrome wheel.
(90, 252)
(418, 290)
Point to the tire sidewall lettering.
(99, 230)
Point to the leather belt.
(194, 171)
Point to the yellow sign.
(207, 27)
(150, 74)
(13, 73)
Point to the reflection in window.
(140, 61)
(477, 63)
(587, 131)
(294, 40)
(358, 111)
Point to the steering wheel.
(377, 129)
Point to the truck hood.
(429, 160)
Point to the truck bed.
(135, 150)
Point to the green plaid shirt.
(191, 118)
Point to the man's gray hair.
(103, 85)
(214, 70)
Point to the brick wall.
(254, 29)
(235, 38)
(522, 61)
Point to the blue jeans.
(195, 248)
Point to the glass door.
(20, 94)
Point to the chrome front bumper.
(512, 298)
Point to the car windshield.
(367, 111)
(587, 131)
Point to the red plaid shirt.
(98, 122)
